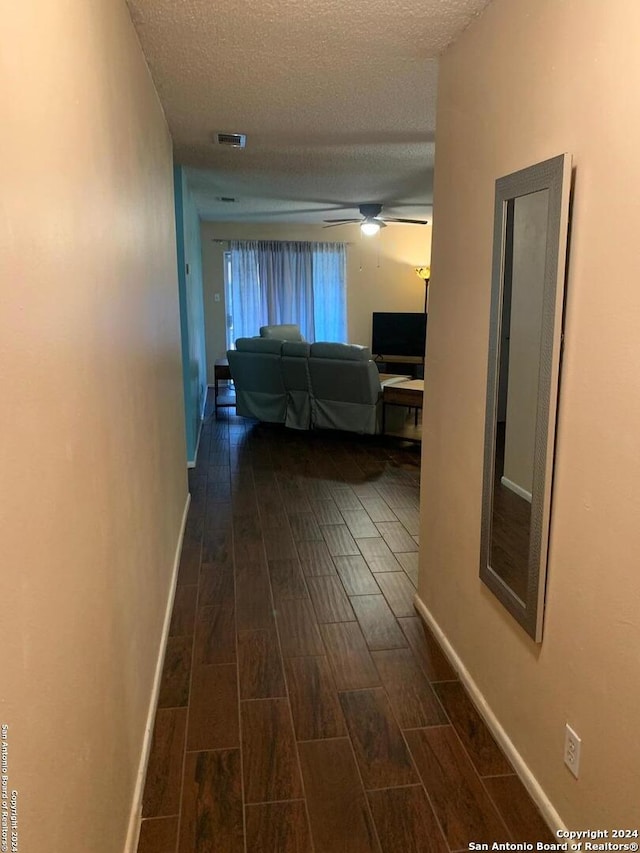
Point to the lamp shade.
(424, 273)
(370, 227)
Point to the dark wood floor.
(303, 706)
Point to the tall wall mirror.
(529, 254)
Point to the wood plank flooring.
(304, 707)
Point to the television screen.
(399, 333)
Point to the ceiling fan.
(371, 221)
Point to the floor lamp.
(425, 274)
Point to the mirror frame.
(553, 175)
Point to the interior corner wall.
(92, 450)
(380, 271)
(192, 325)
(530, 79)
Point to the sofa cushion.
(281, 332)
(266, 345)
(348, 381)
(345, 352)
(295, 349)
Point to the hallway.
(303, 707)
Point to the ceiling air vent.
(226, 198)
(233, 140)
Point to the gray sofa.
(307, 386)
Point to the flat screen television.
(397, 333)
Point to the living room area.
(379, 289)
(369, 295)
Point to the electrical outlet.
(572, 744)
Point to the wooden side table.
(220, 371)
(409, 394)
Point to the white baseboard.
(509, 484)
(191, 463)
(200, 425)
(135, 816)
(527, 778)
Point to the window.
(271, 282)
(228, 301)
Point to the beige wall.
(527, 81)
(380, 271)
(92, 449)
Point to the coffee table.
(409, 394)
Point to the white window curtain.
(245, 290)
(329, 291)
(289, 282)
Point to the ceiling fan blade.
(343, 222)
(339, 221)
(264, 214)
(408, 221)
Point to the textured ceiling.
(337, 100)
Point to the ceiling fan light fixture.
(372, 221)
(369, 227)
